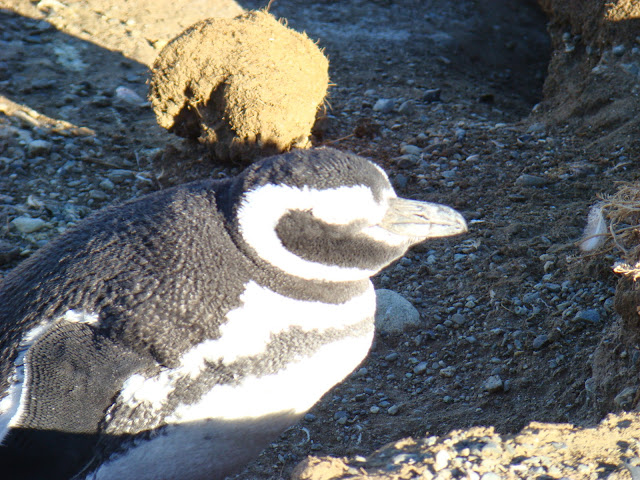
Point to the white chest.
(245, 416)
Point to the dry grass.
(614, 224)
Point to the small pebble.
(442, 460)
(527, 180)
(130, 97)
(490, 476)
(493, 384)
(407, 108)
(408, 458)
(98, 194)
(449, 174)
(432, 95)
(393, 410)
(391, 357)
(624, 399)
(590, 315)
(400, 181)
(491, 449)
(448, 372)
(618, 50)
(39, 147)
(8, 252)
(410, 149)
(119, 175)
(27, 224)
(540, 341)
(384, 105)
(362, 372)
(420, 368)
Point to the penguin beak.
(411, 218)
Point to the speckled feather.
(133, 329)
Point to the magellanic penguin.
(176, 335)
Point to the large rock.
(394, 313)
(245, 86)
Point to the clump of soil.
(244, 86)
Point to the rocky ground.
(518, 357)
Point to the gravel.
(539, 451)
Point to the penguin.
(174, 336)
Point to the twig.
(36, 119)
(99, 162)
(339, 139)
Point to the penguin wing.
(66, 376)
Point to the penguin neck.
(274, 278)
(308, 290)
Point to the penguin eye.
(346, 245)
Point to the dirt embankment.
(592, 82)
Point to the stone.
(39, 147)
(442, 460)
(624, 399)
(490, 476)
(411, 150)
(618, 50)
(394, 313)
(540, 341)
(119, 175)
(391, 357)
(420, 368)
(26, 224)
(493, 384)
(8, 252)
(407, 108)
(431, 95)
(400, 181)
(129, 97)
(107, 184)
(98, 195)
(384, 105)
(448, 372)
(590, 315)
(527, 180)
(491, 450)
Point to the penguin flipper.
(71, 374)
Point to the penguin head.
(328, 215)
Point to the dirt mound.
(614, 225)
(593, 76)
(244, 86)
